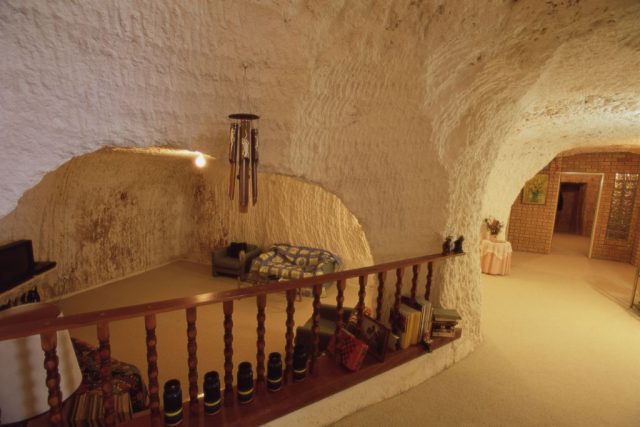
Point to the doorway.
(570, 216)
(577, 212)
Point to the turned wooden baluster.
(261, 301)
(427, 292)
(152, 365)
(227, 308)
(414, 281)
(192, 348)
(104, 350)
(340, 284)
(362, 281)
(393, 316)
(291, 296)
(49, 341)
(382, 276)
(315, 328)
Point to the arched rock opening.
(109, 214)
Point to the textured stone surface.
(423, 117)
(109, 214)
(288, 210)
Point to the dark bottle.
(274, 372)
(212, 397)
(245, 382)
(172, 403)
(299, 362)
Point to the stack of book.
(444, 322)
(414, 323)
(407, 325)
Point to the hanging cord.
(245, 99)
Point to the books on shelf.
(418, 321)
(408, 324)
(424, 324)
(444, 323)
(446, 314)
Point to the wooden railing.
(101, 320)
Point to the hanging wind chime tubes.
(243, 158)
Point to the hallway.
(560, 348)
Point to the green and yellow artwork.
(535, 190)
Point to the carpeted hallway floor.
(561, 349)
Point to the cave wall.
(288, 211)
(422, 117)
(107, 215)
(113, 213)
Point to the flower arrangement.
(493, 225)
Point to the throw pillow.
(234, 249)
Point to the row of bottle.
(26, 297)
(172, 396)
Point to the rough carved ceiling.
(418, 114)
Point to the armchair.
(327, 327)
(223, 263)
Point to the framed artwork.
(535, 190)
(375, 334)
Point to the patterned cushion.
(293, 262)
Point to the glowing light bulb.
(200, 161)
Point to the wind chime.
(243, 158)
(243, 152)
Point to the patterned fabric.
(126, 378)
(293, 262)
(350, 352)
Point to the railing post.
(340, 284)
(152, 365)
(261, 302)
(382, 276)
(393, 316)
(227, 307)
(291, 296)
(315, 328)
(414, 281)
(192, 349)
(427, 291)
(49, 341)
(362, 281)
(105, 374)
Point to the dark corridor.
(569, 216)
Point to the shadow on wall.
(118, 212)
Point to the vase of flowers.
(494, 226)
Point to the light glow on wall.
(200, 161)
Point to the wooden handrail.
(86, 319)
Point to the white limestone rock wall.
(288, 211)
(107, 215)
(422, 117)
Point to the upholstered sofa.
(284, 261)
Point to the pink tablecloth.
(495, 257)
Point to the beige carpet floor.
(560, 349)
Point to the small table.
(495, 257)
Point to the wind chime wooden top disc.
(243, 158)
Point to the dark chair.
(222, 263)
(327, 327)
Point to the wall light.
(200, 161)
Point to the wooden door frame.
(596, 214)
